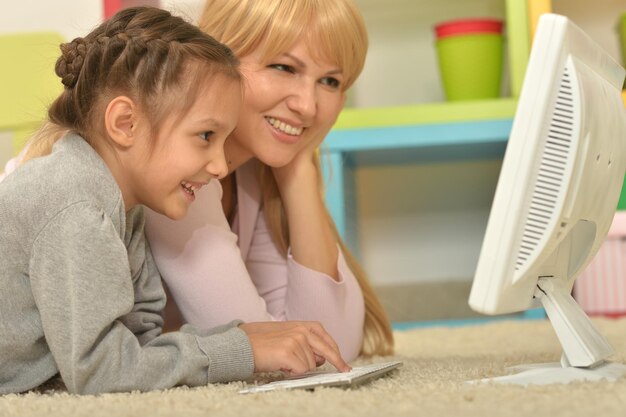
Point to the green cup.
(470, 54)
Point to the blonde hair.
(337, 31)
(146, 53)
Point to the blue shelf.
(535, 314)
(346, 149)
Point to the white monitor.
(556, 196)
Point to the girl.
(271, 251)
(147, 104)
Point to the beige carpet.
(437, 361)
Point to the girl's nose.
(217, 167)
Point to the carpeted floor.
(437, 362)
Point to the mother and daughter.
(209, 143)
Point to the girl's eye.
(331, 82)
(282, 67)
(206, 135)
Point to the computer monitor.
(556, 196)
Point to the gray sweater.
(80, 294)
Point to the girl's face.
(289, 103)
(189, 150)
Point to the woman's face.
(289, 103)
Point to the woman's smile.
(284, 132)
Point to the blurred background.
(413, 211)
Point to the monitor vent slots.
(551, 172)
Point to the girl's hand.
(294, 347)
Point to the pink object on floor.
(601, 287)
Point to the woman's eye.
(206, 135)
(331, 82)
(282, 67)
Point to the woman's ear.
(120, 118)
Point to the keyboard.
(311, 380)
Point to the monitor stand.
(585, 350)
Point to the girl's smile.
(190, 188)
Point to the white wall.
(401, 68)
(423, 223)
(190, 9)
(71, 18)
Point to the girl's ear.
(120, 118)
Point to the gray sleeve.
(81, 281)
(145, 320)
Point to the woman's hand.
(311, 236)
(294, 347)
(301, 164)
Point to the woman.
(270, 250)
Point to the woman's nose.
(303, 100)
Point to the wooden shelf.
(430, 143)
(423, 133)
(432, 133)
(418, 114)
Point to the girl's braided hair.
(146, 53)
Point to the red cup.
(467, 26)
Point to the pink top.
(217, 274)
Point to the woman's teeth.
(189, 188)
(284, 127)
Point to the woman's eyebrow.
(298, 60)
(303, 65)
